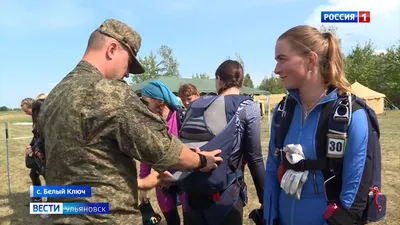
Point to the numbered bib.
(336, 146)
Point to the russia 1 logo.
(364, 16)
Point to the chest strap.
(307, 164)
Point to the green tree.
(169, 64)
(390, 74)
(163, 63)
(273, 84)
(247, 81)
(200, 76)
(151, 67)
(4, 108)
(380, 72)
(362, 64)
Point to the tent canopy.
(364, 92)
(202, 85)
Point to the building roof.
(202, 85)
(364, 92)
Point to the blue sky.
(43, 40)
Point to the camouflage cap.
(127, 37)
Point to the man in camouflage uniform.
(94, 126)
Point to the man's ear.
(111, 50)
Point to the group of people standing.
(95, 128)
(160, 100)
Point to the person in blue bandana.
(160, 100)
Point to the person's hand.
(28, 150)
(153, 179)
(212, 159)
(165, 179)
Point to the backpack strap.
(334, 121)
(180, 116)
(282, 121)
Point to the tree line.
(5, 109)
(380, 72)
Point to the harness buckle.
(282, 107)
(343, 110)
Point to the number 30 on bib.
(336, 146)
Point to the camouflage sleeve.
(140, 133)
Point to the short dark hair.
(28, 102)
(230, 72)
(96, 40)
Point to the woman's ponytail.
(333, 70)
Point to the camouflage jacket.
(93, 129)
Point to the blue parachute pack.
(209, 124)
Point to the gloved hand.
(293, 181)
(294, 153)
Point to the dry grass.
(13, 211)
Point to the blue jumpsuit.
(312, 204)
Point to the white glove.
(294, 153)
(293, 181)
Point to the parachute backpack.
(334, 122)
(39, 156)
(210, 123)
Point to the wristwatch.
(203, 161)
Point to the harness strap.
(307, 164)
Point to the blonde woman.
(310, 65)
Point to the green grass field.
(13, 211)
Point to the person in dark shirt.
(246, 150)
(26, 106)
